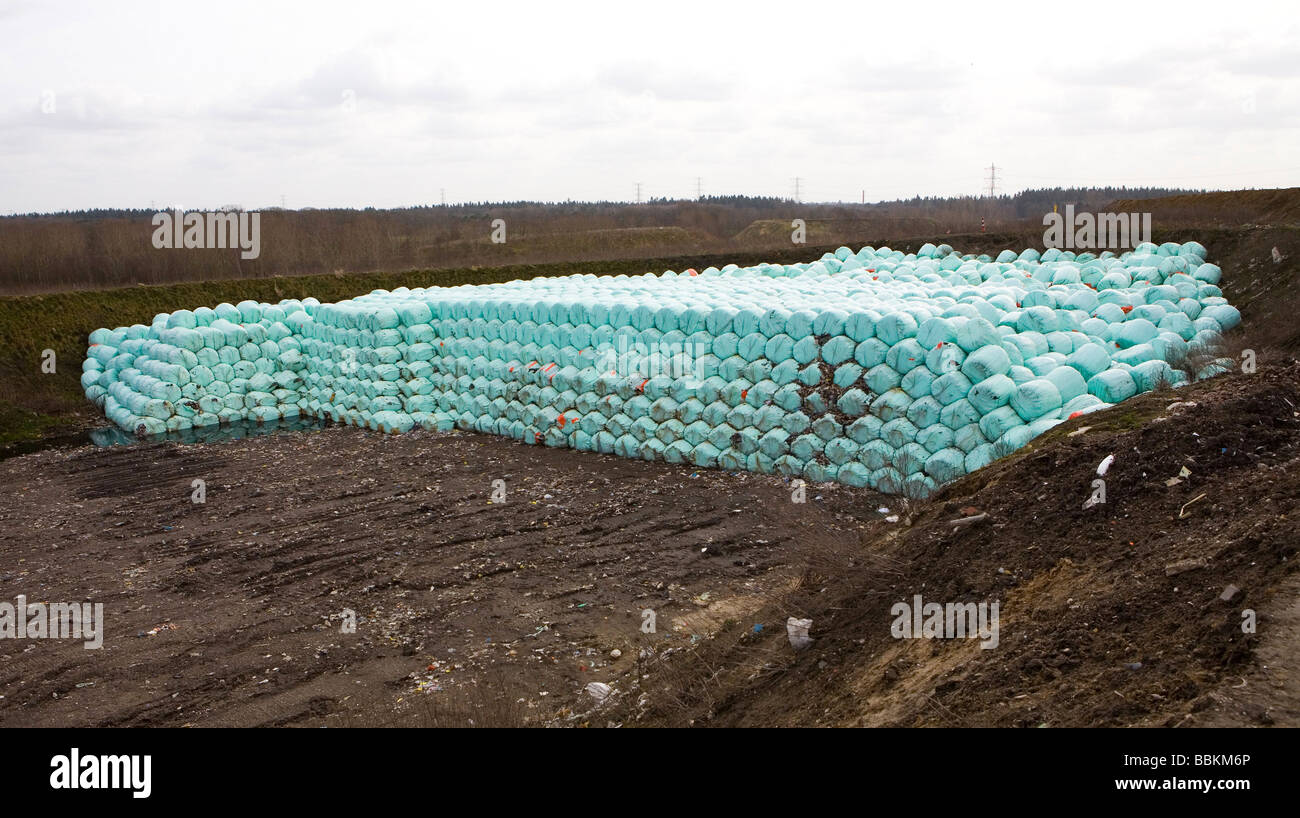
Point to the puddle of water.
(113, 436)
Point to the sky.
(359, 104)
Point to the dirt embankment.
(1130, 612)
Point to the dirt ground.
(229, 612)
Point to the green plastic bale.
(935, 437)
(1040, 365)
(986, 362)
(945, 358)
(1035, 399)
(853, 402)
(1090, 360)
(1068, 382)
(905, 356)
(898, 432)
(946, 465)
(841, 450)
(960, 413)
(860, 326)
(968, 437)
(918, 382)
(876, 454)
(805, 350)
(1135, 355)
(864, 429)
(1150, 375)
(1136, 331)
(991, 393)
(820, 472)
(838, 350)
(883, 378)
(846, 375)
(807, 446)
(924, 412)
(919, 486)
(999, 421)
(1209, 273)
(871, 352)
(975, 334)
(1014, 438)
(951, 387)
(827, 427)
(774, 443)
(936, 331)
(853, 474)
(910, 458)
(1079, 403)
(1112, 386)
(895, 326)
(1226, 315)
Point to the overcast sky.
(366, 103)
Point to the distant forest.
(112, 247)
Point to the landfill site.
(1122, 558)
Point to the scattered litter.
(965, 521)
(1182, 566)
(1230, 594)
(1079, 431)
(797, 630)
(1182, 512)
(1104, 466)
(615, 653)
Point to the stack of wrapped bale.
(198, 368)
(876, 368)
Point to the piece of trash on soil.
(1182, 512)
(797, 630)
(1104, 466)
(1182, 566)
(598, 690)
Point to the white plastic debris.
(599, 690)
(797, 630)
(1105, 465)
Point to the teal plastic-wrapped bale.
(1113, 386)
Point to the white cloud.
(339, 104)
